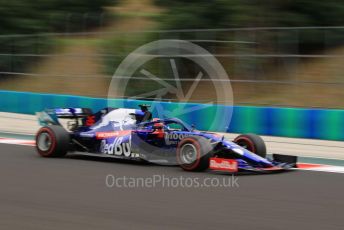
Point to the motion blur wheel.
(193, 153)
(253, 143)
(52, 141)
(188, 153)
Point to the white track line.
(17, 141)
(320, 168)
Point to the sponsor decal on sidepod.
(104, 135)
(117, 147)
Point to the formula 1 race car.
(132, 134)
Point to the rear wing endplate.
(51, 116)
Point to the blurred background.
(278, 53)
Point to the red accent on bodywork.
(222, 164)
(273, 168)
(104, 135)
(90, 120)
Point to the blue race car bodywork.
(121, 133)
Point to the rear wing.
(51, 116)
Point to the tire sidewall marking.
(249, 141)
(53, 141)
(198, 148)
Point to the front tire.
(193, 153)
(253, 143)
(52, 141)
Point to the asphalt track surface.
(70, 193)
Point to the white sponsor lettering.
(118, 147)
(174, 138)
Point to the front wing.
(280, 163)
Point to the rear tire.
(52, 141)
(193, 153)
(253, 143)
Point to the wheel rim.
(188, 154)
(245, 144)
(44, 141)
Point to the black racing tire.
(253, 143)
(200, 147)
(52, 141)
